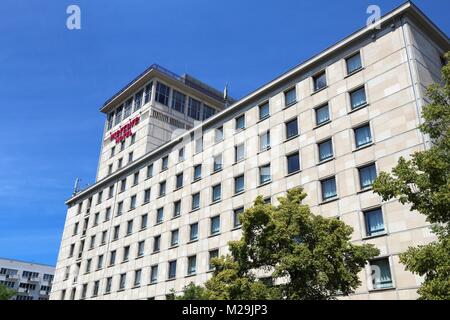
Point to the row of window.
(154, 278)
(165, 95)
(381, 276)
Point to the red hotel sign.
(124, 132)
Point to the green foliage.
(192, 292)
(286, 252)
(6, 293)
(423, 182)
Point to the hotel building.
(178, 164)
(30, 281)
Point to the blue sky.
(53, 81)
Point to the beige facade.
(397, 61)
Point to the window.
(353, 63)
(358, 98)
(130, 157)
(119, 163)
(72, 249)
(194, 108)
(192, 265)
(156, 243)
(239, 153)
(174, 238)
(264, 141)
(208, 112)
(127, 108)
(193, 234)
(75, 228)
(111, 192)
(137, 277)
(116, 232)
(162, 93)
(119, 208)
(264, 174)
(363, 136)
(136, 178)
(374, 222)
(264, 111)
(92, 242)
(367, 175)
(291, 128)
(199, 145)
(178, 101)
(164, 163)
(197, 172)
(290, 97)
(328, 188)
(293, 163)
(108, 285)
(133, 139)
(113, 151)
(322, 114)
(104, 234)
(144, 219)
(99, 197)
(381, 273)
(108, 213)
(159, 215)
(320, 81)
(133, 202)
(123, 279)
(126, 253)
(148, 92)
(118, 115)
(138, 100)
(112, 258)
(239, 184)
(218, 134)
(154, 274)
(236, 214)
(123, 185)
(196, 201)
(216, 192)
(84, 291)
(217, 165)
(325, 150)
(180, 154)
(147, 195)
(110, 121)
(122, 145)
(215, 225)
(88, 265)
(179, 181)
(129, 227)
(110, 168)
(141, 248)
(96, 217)
(172, 269)
(150, 171)
(240, 122)
(177, 208)
(213, 254)
(100, 262)
(162, 188)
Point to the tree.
(6, 293)
(423, 182)
(286, 252)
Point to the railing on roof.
(185, 79)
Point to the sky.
(53, 81)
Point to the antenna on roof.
(225, 95)
(76, 187)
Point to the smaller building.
(31, 281)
